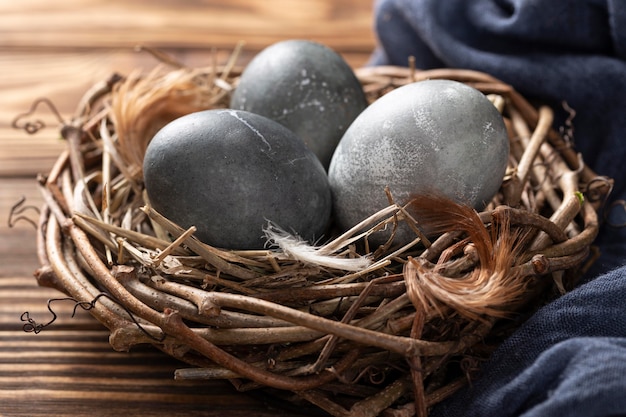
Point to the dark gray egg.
(229, 172)
(305, 86)
(436, 136)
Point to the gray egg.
(305, 86)
(435, 136)
(229, 172)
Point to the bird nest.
(343, 326)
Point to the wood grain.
(59, 49)
(66, 372)
(92, 24)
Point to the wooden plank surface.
(58, 50)
(343, 24)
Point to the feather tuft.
(491, 288)
(302, 251)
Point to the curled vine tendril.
(31, 325)
(17, 213)
(32, 127)
(567, 131)
(598, 190)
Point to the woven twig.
(395, 336)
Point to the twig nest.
(307, 87)
(354, 331)
(229, 172)
(429, 137)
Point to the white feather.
(299, 250)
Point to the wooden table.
(58, 50)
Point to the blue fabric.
(570, 358)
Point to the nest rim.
(72, 247)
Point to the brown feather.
(487, 290)
(439, 214)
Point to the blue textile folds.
(570, 358)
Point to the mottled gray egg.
(305, 86)
(435, 136)
(229, 172)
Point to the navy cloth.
(570, 358)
